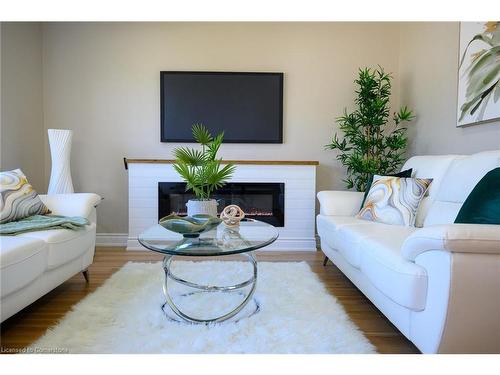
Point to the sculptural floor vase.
(60, 152)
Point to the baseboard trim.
(281, 244)
(111, 239)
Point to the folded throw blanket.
(43, 222)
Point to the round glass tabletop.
(222, 240)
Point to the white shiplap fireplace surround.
(299, 178)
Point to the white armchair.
(34, 263)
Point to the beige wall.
(102, 81)
(21, 130)
(428, 79)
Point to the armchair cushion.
(339, 203)
(64, 245)
(75, 204)
(22, 260)
(460, 238)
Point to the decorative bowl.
(189, 226)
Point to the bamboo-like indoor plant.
(370, 144)
(202, 171)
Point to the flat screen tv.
(248, 107)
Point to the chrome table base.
(252, 282)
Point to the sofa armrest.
(75, 204)
(340, 203)
(456, 238)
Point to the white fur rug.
(297, 314)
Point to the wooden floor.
(27, 325)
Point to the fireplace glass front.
(260, 201)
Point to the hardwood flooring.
(30, 323)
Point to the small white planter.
(205, 207)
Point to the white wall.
(428, 79)
(102, 81)
(21, 130)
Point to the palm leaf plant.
(483, 73)
(370, 144)
(200, 168)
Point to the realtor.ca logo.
(33, 350)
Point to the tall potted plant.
(202, 171)
(370, 144)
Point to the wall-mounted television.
(248, 107)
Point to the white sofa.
(34, 263)
(438, 283)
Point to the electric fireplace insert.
(259, 200)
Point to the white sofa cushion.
(404, 282)
(350, 240)
(374, 248)
(57, 240)
(328, 229)
(22, 260)
(442, 212)
(459, 180)
(429, 167)
(346, 234)
(328, 224)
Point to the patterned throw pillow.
(405, 173)
(18, 199)
(394, 200)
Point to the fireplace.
(259, 200)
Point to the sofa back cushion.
(435, 167)
(456, 185)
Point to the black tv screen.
(248, 107)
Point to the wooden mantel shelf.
(127, 161)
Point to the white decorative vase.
(205, 207)
(60, 152)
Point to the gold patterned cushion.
(394, 200)
(18, 199)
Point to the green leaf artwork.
(370, 143)
(479, 72)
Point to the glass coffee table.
(250, 235)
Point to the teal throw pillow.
(482, 206)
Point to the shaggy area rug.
(296, 314)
